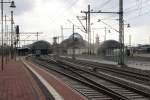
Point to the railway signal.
(17, 29)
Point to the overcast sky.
(48, 15)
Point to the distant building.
(74, 41)
(108, 48)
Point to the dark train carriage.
(41, 48)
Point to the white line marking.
(45, 83)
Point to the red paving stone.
(65, 91)
(16, 83)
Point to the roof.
(110, 44)
(40, 45)
(76, 35)
(79, 42)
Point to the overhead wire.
(136, 15)
(110, 7)
(127, 10)
(135, 8)
(105, 3)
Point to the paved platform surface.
(16, 83)
(66, 92)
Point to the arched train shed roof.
(110, 44)
(41, 45)
(78, 43)
(76, 35)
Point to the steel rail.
(100, 88)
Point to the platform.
(59, 89)
(17, 83)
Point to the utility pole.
(93, 43)
(11, 34)
(88, 23)
(73, 50)
(37, 36)
(121, 33)
(93, 38)
(2, 35)
(8, 42)
(62, 34)
(121, 28)
(89, 29)
(6, 49)
(5, 28)
(19, 41)
(86, 15)
(130, 38)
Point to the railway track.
(138, 76)
(85, 90)
(102, 84)
(88, 90)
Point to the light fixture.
(12, 5)
(128, 25)
(98, 20)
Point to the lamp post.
(11, 34)
(2, 31)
